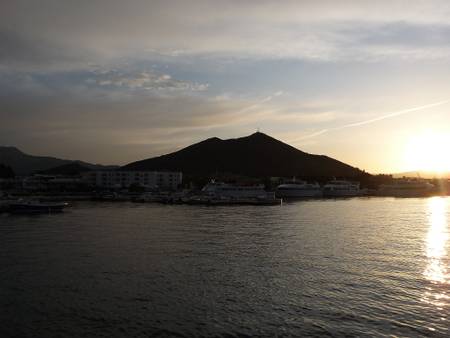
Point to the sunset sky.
(366, 82)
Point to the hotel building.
(170, 180)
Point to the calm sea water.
(377, 266)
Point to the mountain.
(6, 172)
(423, 174)
(24, 164)
(257, 155)
(70, 169)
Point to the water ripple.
(376, 267)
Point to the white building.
(124, 179)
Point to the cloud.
(22, 51)
(143, 80)
(50, 33)
(91, 127)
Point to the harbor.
(224, 169)
(216, 193)
(213, 172)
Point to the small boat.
(111, 197)
(35, 207)
(266, 201)
(194, 200)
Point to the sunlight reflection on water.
(436, 253)
(437, 236)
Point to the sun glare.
(436, 241)
(428, 152)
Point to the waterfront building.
(169, 180)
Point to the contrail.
(260, 102)
(376, 119)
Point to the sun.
(428, 151)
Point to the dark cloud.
(104, 31)
(21, 51)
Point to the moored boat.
(220, 189)
(298, 189)
(407, 188)
(219, 193)
(341, 188)
(112, 197)
(35, 207)
(244, 201)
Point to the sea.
(344, 267)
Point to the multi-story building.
(124, 179)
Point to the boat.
(407, 188)
(196, 200)
(35, 207)
(111, 197)
(219, 193)
(342, 188)
(220, 189)
(298, 189)
(244, 201)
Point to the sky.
(111, 82)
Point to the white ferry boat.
(298, 189)
(341, 188)
(220, 189)
(407, 188)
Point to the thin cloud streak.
(376, 119)
(260, 102)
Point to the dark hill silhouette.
(257, 155)
(24, 164)
(70, 169)
(6, 172)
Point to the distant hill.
(257, 155)
(24, 164)
(73, 168)
(422, 174)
